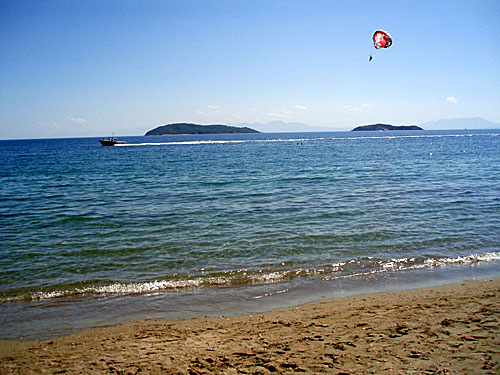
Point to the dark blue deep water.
(181, 226)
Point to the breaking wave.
(357, 267)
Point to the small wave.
(408, 264)
(469, 259)
(357, 267)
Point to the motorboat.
(111, 141)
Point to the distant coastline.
(377, 127)
(186, 128)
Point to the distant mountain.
(385, 127)
(286, 127)
(461, 123)
(185, 128)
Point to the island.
(185, 128)
(377, 127)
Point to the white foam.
(469, 259)
(342, 270)
(333, 138)
(405, 264)
(272, 293)
(179, 143)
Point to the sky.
(77, 68)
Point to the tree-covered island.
(375, 127)
(185, 128)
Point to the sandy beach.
(452, 329)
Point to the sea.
(178, 227)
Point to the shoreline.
(61, 316)
(450, 329)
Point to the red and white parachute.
(382, 39)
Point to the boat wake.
(303, 139)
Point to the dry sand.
(452, 329)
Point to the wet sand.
(453, 329)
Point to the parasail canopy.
(382, 39)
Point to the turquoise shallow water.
(188, 225)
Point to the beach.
(451, 329)
(180, 227)
(194, 187)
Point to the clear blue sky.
(90, 68)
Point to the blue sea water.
(181, 226)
